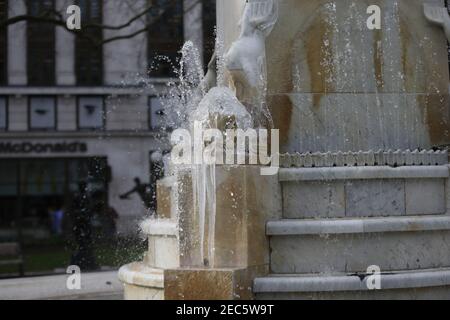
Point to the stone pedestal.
(175, 266)
(356, 103)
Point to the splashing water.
(186, 103)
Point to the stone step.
(410, 284)
(364, 191)
(352, 245)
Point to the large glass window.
(3, 113)
(41, 44)
(89, 51)
(165, 36)
(3, 44)
(42, 113)
(91, 113)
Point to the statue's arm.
(262, 13)
(438, 16)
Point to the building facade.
(73, 107)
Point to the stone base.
(142, 282)
(145, 283)
(211, 284)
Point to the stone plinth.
(175, 266)
(211, 284)
(245, 200)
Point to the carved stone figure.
(438, 16)
(246, 58)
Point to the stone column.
(17, 45)
(65, 51)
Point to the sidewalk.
(94, 286)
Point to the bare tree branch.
(56, 18)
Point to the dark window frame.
(55, 107)
(4, 48)
(103, 127)
(6, 128)
(83, 51)
(42, 78)
(208, 29)
(164, 45)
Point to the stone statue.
(246, 58)
(247, 53)
(438, 16)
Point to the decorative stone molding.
(365, 158)
(353, 226)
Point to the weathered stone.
(164, 198)
(425, 196)
(359, 89)
(210, 284)
(356, 252)
(375, 198)
(313, 199)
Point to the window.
(209, 29)
(3, 113)
(156, 113)
(91, 113)
(88, 54)
(3, 44)
(165, 37)
(41, 44)
(42, 113)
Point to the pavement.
(94, 286)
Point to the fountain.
(364, 180)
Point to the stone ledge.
(159, 227)
(141, 275)
(362, 173)
(115, 90)
(361, 159)
(310, 283)
(352, 226)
